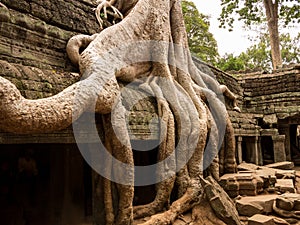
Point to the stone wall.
(33, 39)
(277, 93)
(35, 32)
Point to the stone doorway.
(56, 190)
(144, 156)
(295, 143)
(267, 147)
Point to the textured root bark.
(166, 171)
(202, 214)
(194, 118)
(20, 115)
(107, 184)
(190, 198)
(122, 152)
(76, 43)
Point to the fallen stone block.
(284, 203)
(285, 174)
(247, 167)
(220, 202)
(293, 197)
(297, 205)
(285, 185)
(265, 201)
(261, 220)
(279, 173)
(241, 184)
(268, 176)
(248, 209)
(280, 221)
(245, 192)
(286, 165)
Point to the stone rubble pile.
(264, 195)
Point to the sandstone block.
(265, 201)
(248, 209)
(286, 165)
(284, 203)
(293, 197)
(297, 205)
(261, 220)
(247, 167)
(285, 185)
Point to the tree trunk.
(149, 49)
(272, 18)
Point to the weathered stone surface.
(204, 214)
(241, 184)
(261, 220)
(248, 209)
(287, 174)
(268, 220)
(294, 198)
(220, 202)
(285, 185)
(284, 203)
(297, 204)
(280, 221)
(264, 201)
(36, 83)
(247, 167)
(286, 165)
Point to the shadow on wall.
(44, 184)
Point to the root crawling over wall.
(148, 47)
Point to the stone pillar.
(260, 153)
(279, 148)
(256, 151)
(239, 149)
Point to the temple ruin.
(33, 38)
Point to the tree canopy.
(258, 55)
(251, 12)
(271, 12)
(201, 42)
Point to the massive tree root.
(194, 120)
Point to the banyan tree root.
(204, 214)
(20, 115)
(190, 199)
(77, 43)
(194, 119)
(104, 4)
(3, 6)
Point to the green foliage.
(201, 42)
(290, 48)
(253, 12)
(258, 56)
(230, 62)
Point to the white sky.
(228, 42)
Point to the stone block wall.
(277, 93)
(35, 32)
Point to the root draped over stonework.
(194, 121)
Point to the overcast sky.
(228, 42)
